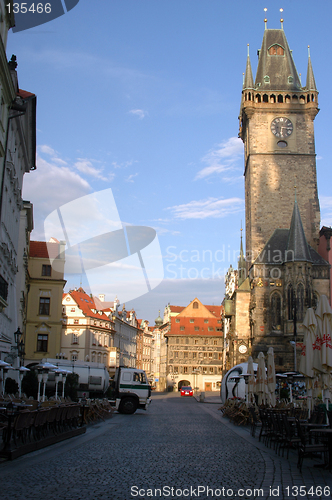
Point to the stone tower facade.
(277, 128)
(285, 274)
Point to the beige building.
(44, 310)
(195, 344)
(87, 332)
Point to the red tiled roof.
(86, 304)
(176, 309)
(40, 249)
(25, 94)
(189, 328)
(216, 310)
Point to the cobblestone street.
(178, 443)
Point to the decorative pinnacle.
(248, 48)
(308, 50)
(281, 20)
(265, 20)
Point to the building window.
(276, 50)
(182, 328)
(3, 288)
(276, 311)
(191, 321)
(196, 328)
(215, 342)
(195, 305)
(75, 338)
(72, 310)
(185, 369)
(177, 340)
(204, 370)
(42, 341)
(176, 369)
(177, 320)
(210, 355)
(300, 303)
(76, 321)
(176, 354)
(211, 370)
(185, 354)
(290, 297)
(74, 356)
(44, 306)
(205, 355)
(210, 329)
(194, 354)
(46, 270)
(220, 355)
(206, 341)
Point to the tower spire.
(310, 84)
(248, 81)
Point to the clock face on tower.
(281, 127)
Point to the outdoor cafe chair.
(306, 448)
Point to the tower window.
(276, 50)
(266, 79)
(258, 98)
(265, 98)
(290, 79)
(282, 144)
(276, 311)
(290, 297)
(300, 303)
(280, 98)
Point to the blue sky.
(143, 97)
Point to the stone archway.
(182, 383)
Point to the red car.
(186, 390)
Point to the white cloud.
(139, 113)
(49, 187)
(125, 164)
(212, 207)
(131, 177)
(47, 150)
(221, 158)
(86, 167)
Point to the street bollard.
(202, 397)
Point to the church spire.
(276, 68)
(248, 82)
(310, 84)
(297, 245)
(241, 264)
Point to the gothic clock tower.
(286, 274)
(277, 128)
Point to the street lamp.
(19, 343)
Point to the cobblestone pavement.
(178, 443)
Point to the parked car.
(186, 390)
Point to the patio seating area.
(285, 427)
(27, 425)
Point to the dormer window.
(276, 50)
(266, 79)
(290, 79)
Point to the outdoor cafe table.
(328, 434)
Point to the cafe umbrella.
(271, 376)
(307, 352)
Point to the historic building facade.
(195, 345)
(284, 274)
(44, 307)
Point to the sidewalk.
(208, 397)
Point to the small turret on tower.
(310, 84)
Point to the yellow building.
(44, 312)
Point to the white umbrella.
(251, 380)
(260, 378)
(22, 370)
(324, 320)
(307, 353)
(271, 376)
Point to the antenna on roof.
(281, 20)
(265, 20)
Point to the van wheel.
(128, 406)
